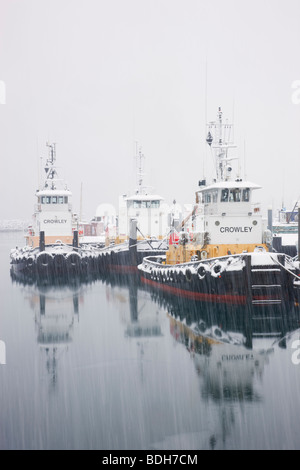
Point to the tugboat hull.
(235, 280)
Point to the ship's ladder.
(266, 297)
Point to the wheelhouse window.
(224, 195)
(146, 204)
(199, 198)
(48, 199)
(215, 196)
(54, 199)
(235, 195)
(207, 198)
(246, 195)
(60, 199)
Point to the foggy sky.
(95, 76)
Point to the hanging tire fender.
(73, 260)
(218, 269)
(202, 271)
(44, 261)
(30, 261)
(188, 275)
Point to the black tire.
(44, 264)
(73, 262)
(188, 275)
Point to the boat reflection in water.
(229, 349)
(230, 355)
(141, 322)
(56, 312)
(55, 316)
(151, 371)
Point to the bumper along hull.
(234, 280)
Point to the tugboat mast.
(221, 142)
(51, 173)
(140, 173)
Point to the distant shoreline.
(11, 230)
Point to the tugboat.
(143, 228)
(52, 250)
(285, 231)
(149, 210)
(228, 258)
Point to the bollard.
(42, 241)
(133, 242)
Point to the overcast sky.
(95, 76)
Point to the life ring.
(202, 270)
(188, 275)
(204, 254)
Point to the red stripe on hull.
(120, 268)
(225, 299)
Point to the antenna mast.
(221, 142)
(139, 157)
(50, 169)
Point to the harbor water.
(108, 365)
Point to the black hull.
(81, 265)
(47, 269)
(217, 320)
(261, 286)
(124, 262)
(290, 250)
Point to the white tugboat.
(228, 259)
(149, 210)
(53, 212)
(143, 228)
(52, 250)
(285, 230)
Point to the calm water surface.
(108, 366)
